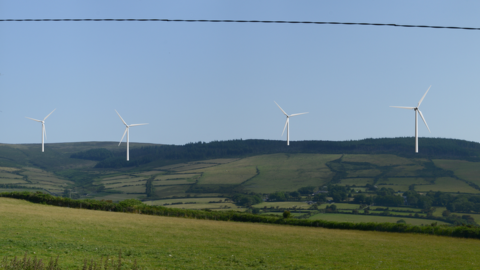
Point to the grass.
(119, 197)
(174, 182)
(176, 176)
(184, 200)
(288, 172)
(368, 218)
(9, 175)
(212, 206)
(132, 189)
(379, 160)
(12, 181)
(178, 243)
(299, 205)
(197, 164)
(464, 169)
(363, 173)
(230, 173)
(402, 184)
(447, 184)
(407, 170)
(171, 191)
(356, 181)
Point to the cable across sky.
(243, 21)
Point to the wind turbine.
(44, 131)
(128, 134)
(287, 123)
(417, 111)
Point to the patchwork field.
(282, 172)
(448, 184)
(31, 177)
(379, 219)
(298, 205)
(174, 243)
(464, 169)
(379, 160)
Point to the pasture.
(378, 219)
(464, 169)
(288, 172)
(231, 173)
(197, 203)
(448, 184)
(166, 242)
(379, 160)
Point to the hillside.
(167, 242)
(200, 169)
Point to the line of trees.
(166, 154)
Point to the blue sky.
(218, 81)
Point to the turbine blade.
(133, 125)
(121, 118)
(286, 122)
(34, 119)
(48, 115)
(123, 136)
(408, 108)
(281, 109)
(45, 131)
(298, 114)
(420, 102)
(424, 120)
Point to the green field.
(367, 218)
(356, 181)
(464, 169)
(208, 178)
(448, 184)
(298, 205)
(282, 172)
(179, 243)
(379, 160)
(231, 173)
(199, 203)
(363, 173)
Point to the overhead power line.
(240, 21)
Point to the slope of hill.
(209, 169)
(166, 242)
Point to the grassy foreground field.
(166, 242)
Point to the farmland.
(23, 167)
(379, 219)
(166, 242)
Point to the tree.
(320, 197)
(149, 188)
(286, 214)
(331, 208)
(295, 195)
(360, 198)
(306, 190)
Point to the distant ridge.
(402, 146)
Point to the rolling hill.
(99, 169)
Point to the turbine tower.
(44, 131)
(417, 111)
(287, 123)
(128, 134)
